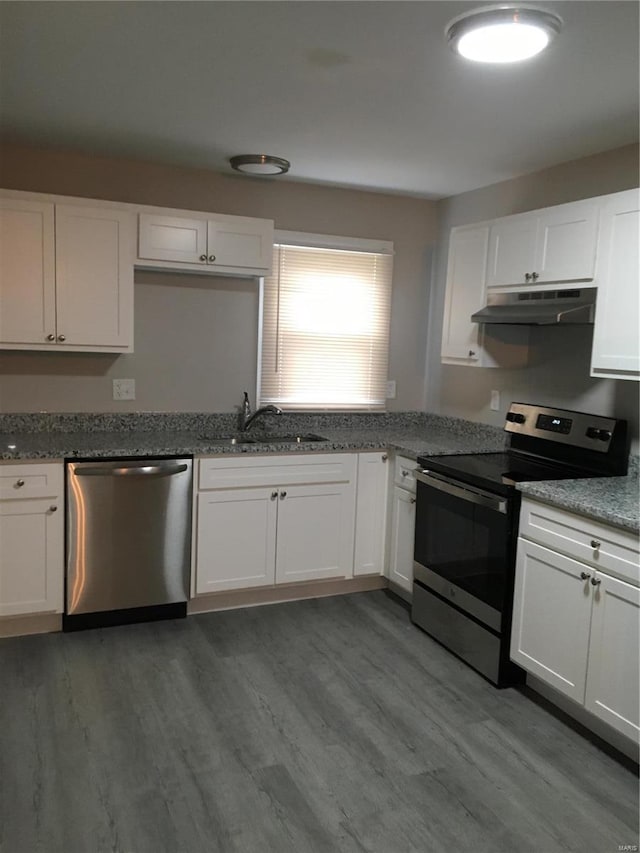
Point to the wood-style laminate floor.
(324, 726)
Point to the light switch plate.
(124, 389)
(391, 389)
(495, 401)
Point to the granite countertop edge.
(593, 498)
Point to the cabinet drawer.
(403, 473)
(233, 472)
(31, 481)
(614, 551)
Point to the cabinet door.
(31, 556)
(566, 249)
(551, 618)
(512, 250)
(235, 539)
(616, 333)
(403, 523)
(465, 293)
(172, 238)
(241, 242)
(613, 686)
(94, 278)
(371, 514)
(27, 272)
(315, 532)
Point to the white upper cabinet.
(230, 245)
(616, 334)
(464, 342)
(27, 272)
(557, 244)
(66, 277)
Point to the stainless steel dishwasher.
(128, 541)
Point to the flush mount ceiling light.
(259, 164)
(502, 33)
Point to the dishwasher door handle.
(163, 470)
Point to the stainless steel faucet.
(247, 417)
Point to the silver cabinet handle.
(62, 338)
(584, 576)
(53, 508)
(274, 495)
(212, 258)
(535, 276)
(595, 544)
(385, 456)
(472, 353)
(412, 500)
(51, 337)
(203, 258)
(283, 495)
(19, 484)
(527, 276)
(596, 581)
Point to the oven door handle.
(466, 493)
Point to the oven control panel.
(575, 428)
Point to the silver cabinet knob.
(385, 456)
(596, 581)
(535, 276)
(595, 544)
(412, 500)
(19, 484)
(62, 338)
(212, 259)
(472, 353)
(283, 495)
(404, 472)
(274, 495)
(51, 337)
(527, 276)
(53, 508)
(584, 576)
(203, 258)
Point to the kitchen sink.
(230, 440)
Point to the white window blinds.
(325, 329)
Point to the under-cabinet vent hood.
(539, 308)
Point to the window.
(325, 324)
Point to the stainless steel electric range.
(467, 509)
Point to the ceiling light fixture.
(259, 164)
(502, 33)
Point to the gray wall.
(196, 338)
(560, 356)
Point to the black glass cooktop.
(499, 472)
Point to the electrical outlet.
(391, 389)
(124, 389)
(495, 401)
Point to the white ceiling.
(362, 94)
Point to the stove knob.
(605, 435)
(516, 417)
(592, 432)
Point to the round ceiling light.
(502, 33)
(259, 164)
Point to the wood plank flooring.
(324, 726)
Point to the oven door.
(463, 546)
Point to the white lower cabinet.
(272, 519)
(575, 626)
(31, 539)
(403, 523)
(371, 513)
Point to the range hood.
(539, 308)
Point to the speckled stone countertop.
(611, 500)
(148, 434)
